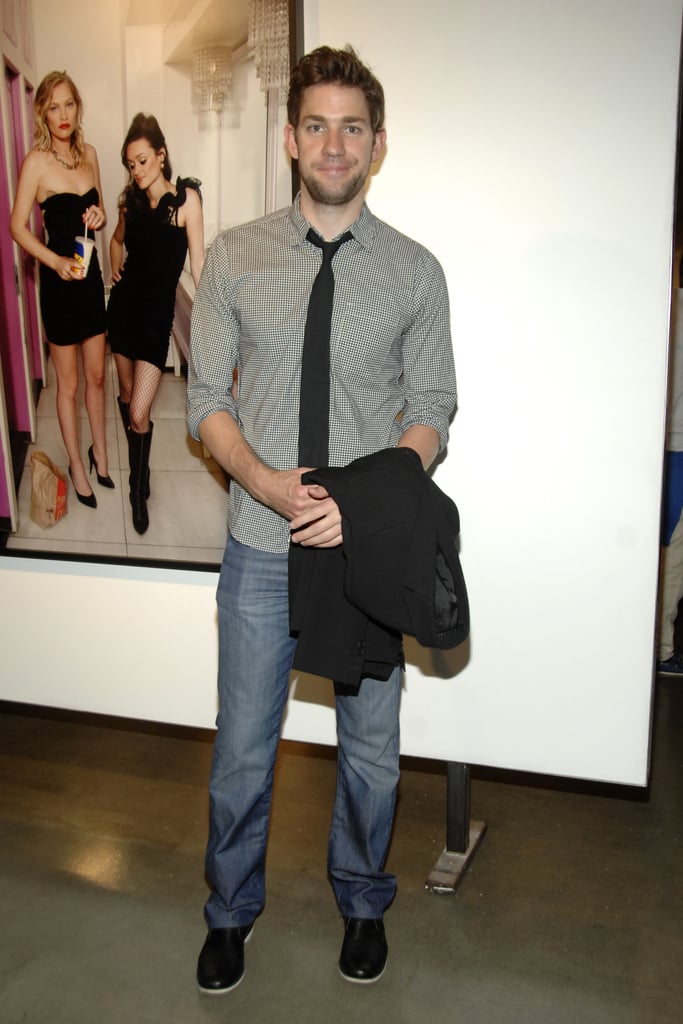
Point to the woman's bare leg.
(93, 350)
(65, 361)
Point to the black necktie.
(314, 403)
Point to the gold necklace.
(64, 164)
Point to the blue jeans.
(255, 657)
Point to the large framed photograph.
(204, 84)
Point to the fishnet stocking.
(138, 384)
(124, 369)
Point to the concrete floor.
(571, 910)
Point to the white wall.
(227, 150)
(143, 75)
(532, 147)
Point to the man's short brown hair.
(337, 67)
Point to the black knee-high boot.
(124, 409)
(139, 446)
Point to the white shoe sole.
(363, 981)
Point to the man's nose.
(334, 141)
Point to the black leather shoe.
(364, 951)
(220, 967)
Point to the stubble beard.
(326, 196)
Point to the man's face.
(334, 143)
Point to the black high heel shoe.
(85, 499)
(103, 481)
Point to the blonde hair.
(41, 134)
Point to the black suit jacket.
(397, 571)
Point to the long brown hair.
(41, 134)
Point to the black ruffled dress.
(141, 305)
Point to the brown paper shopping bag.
(48, 491)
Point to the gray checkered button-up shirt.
(391, 360)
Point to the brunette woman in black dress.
(61, 173)
(159, 223)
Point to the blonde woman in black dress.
(61, 173)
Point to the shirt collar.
(363, 228)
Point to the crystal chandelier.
(269, 38)
(211, 74)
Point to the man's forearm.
(423, 440)
(280, 490)
(221, 435)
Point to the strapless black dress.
(72, 310)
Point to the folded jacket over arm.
(397, 571)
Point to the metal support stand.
(462, 835)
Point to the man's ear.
(290, 141)
(379, 143)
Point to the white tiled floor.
(187, 507)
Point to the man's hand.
(314, 516)
(281, 490)
(320, 525)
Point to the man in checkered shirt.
(392, 383)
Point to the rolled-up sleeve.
(214, 341)
(428, 367)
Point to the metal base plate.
(450, 867)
